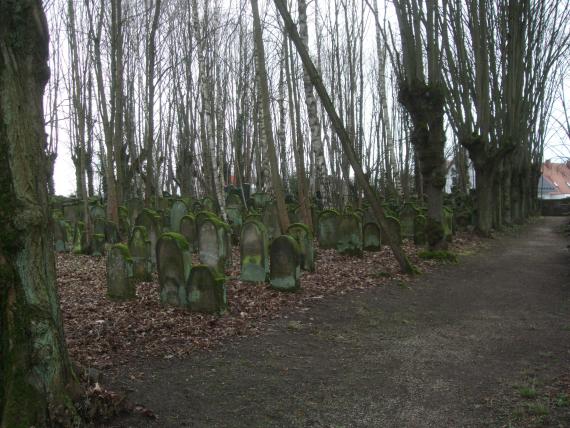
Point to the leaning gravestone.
(304, 238)
(139, 248)
(205, 290)
(188, 230)
(212, 243)
(254, 252)
(174, 262)
(120, 284)
(179, 209)
(327, 229)
(284, 270)
(394, 225)
(420, 237)
(349, 235)
(372, 237)
(150, 221)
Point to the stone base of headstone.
(206, 291)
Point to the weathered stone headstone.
(327, 229)
(188, 230)
(60, 235)
(120, 283)
(139, 248)
(304, 238)
(124, 222)
(407, 216)
(112, 233)
(135, 206)
(372, 237)
(208, 204)
(205, 290)
(150, 221)
(212, 243)
(174, 262)
(260, 200)
(99, 224)
(270, 218)
(97, 212)
(98, 244)
(349, 235)
(73, 211)
(79, 239)
(179, 209)
(394, 225)
(254, 252)
(234, 200)
(235, 221)
(197, 207)
(285, 270)
(420, 237)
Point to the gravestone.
(372, 237)
(135, 206)
(197, 207)
(112, 233)
(394, 225)
(98, 244)
(120, 283)
(327, 229)
(254, 252)
(188, 230)
(234, 200)
(99, 224)
(73, 211)
(139, 248)
(349, 235)
(260, 200)
(420, 237)
(448, 223)
(124, 222)
(150, 221)
(284, 267)
(304, 239)
(179, 209)
(79, 239)
(205, 290)
(407, 217)
(60, 235)
(270, 219)
(174, 262)
(212, 243)
(97, 212)
(208, 204)
(235, 221)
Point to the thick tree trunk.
(484, 178)
(35, 371)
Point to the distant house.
(554, 182)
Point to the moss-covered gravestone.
(235, 221)
(270, 218)
(304, 238)
(408, 214)
(179, 209)
(188, 230)
(372, 237)
(174, 263)
(205, 290)
(254, 252)
(60, 235)
(139, 248)
(97, 212)
(79, 241)
(135, 206)
(98, 244)
(327, 229)
(260, 200)
(285, 269)
(420, 236)
(349, 235)
(151, 222)
(99, 224)
(208, 204)
(394, 225)
(120, 283)
(112, 233)
(212, 243)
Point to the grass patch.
(562, 400)
(537, 409)
(441, 256)
(527, 392)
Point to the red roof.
(559, 175)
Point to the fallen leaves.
(102, 333)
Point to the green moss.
(180, 240)
(124, 251)
(302, 226)
(442, 256)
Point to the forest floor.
(485, 342)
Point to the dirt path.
(482, 343)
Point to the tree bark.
(35, 371)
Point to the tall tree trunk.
(266, 117)
(35, 371)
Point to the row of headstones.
(351, 232)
